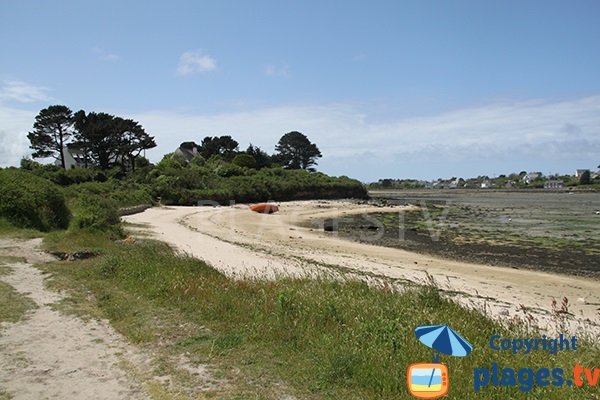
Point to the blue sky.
(421, 89)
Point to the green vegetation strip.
(13, 305)
(324, 339)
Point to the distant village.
(522, 180)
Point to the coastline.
(246, 244)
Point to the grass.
(311, 338)
(77, 240)
(9, 230)
(11, 259)
(13, 305)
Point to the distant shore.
(540, 230)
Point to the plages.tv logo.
(431, 380)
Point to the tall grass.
(325, 338)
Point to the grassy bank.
(310, 338)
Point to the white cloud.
(13, 135)
(550, 136)
(22, 92)
(194, 62)
(104, 55)
(282, 70)
(507, 136)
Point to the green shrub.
(222, 182)
(96, 213)
(123, 193)
(28, 201)
(244, 160)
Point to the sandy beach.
(241, 243)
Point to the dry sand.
(243, 243)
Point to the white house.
(530, 177)
(74, 157)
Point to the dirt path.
(49, 355)
(240, 242)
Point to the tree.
(108, 141)
(97, 137)
(585, 178)
(261, 157)
(142, 162)
(244, 160)
(295, 151)
(223, 146)
(51, 130)
(133, 141)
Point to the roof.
(187, 152)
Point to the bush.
(123, 193)
(222, 182)
(244, 160)
(28, 201)
(76, 175)
(96, 213)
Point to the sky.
(386, 89)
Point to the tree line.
(293, 151)
(106, 141)
(102, 140)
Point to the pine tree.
(51, 130)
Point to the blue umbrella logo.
(442, 339)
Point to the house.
(472, 183)
(454, 183)
(187, 150)
(530, 177)
(486, 184)
(74, 157)
(580, 172)
(554, 184)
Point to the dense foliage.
(96, 212)
(295, 151)
(177, 182)
(34, 193)
(100, 139)
(109, 172)
(107, 141)
(28, 201)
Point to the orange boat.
(264, 208)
